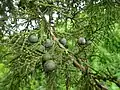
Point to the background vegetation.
(92, 66)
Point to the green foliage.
(24, 58)
(3, 70)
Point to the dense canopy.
(82, 38)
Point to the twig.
(99, 85)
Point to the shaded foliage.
(79, 67)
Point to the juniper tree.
(81, 67)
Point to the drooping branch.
(83, 68)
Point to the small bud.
(81, 41)
(63, 41)
(49, 66)
(48, 43)
(33, 38)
